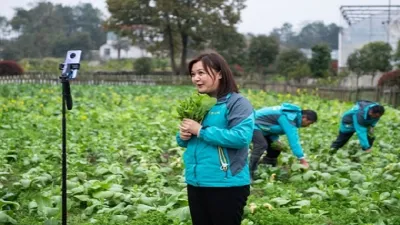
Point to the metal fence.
(386, 95)
(97, 79)
(389, 96)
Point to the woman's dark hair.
(378, 109)
(213, 60)
(311, 115)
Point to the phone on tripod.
(71, 64)
(69, 70)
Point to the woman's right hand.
(185, 135)
(304, 163)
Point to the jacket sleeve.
(181, 142)
(292, 136)
(274, 137)
(239, 133)
(374, 122)
(362, 132)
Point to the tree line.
(375, 57)
(167, 28)
(177, 28)
(49, 30)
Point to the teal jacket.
(278, 120)
(218, 156)
(357, 120)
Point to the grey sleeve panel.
(348, 119)
(238, 159)
(268, 120)
(239, 108)
(361, 120)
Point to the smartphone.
(72, 59)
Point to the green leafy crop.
(124, 166)
(195, 107)
(279, 146)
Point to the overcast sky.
(259, 17)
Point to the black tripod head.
(69, 71)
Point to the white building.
(365, 24)
(109, 51)
(308, 53)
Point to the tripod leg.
(64, 156)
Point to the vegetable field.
(125, 166)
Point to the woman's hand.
(190, 126)
(184, 135)
(304, 163)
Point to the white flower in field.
(272, 177)
(269, 206)
(252, 207)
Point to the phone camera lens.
(72, 55)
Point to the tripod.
(66, 103)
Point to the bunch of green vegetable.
(195, 107)
(279, 146)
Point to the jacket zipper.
(223, 161)
(195, 160)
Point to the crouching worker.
(273, 121)
(361, 119)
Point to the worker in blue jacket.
(361, 119)
(274, 121)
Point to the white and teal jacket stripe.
(217, 157)
(278, 120)
(357, 120)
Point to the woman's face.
(205, 83)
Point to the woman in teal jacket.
(361, 119)
(216, 167)
(271, 122)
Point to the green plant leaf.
(4, 218)
(182, 213)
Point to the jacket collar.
(224, 99)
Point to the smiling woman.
(216, 169)
(211, 75)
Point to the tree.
(396, 54)
(4, 28)
(320, 60)
(121, 44)
(230, 44)
(10, 68)
(189, 19)
(89, 20)
(390, 79)
(376, 58)
(78, 40)
(332, 35)
(310, 35)
(41, 24)
(285, 35)
(143, 65)
(4, 32)
(355, 63)
(292, 63)
(263, 51)
(49, 29)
